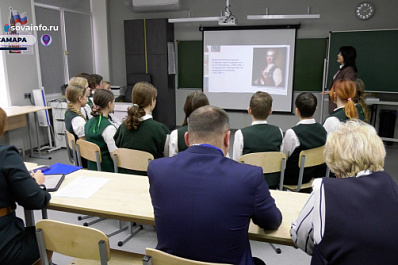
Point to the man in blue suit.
(203, 201)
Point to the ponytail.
(350, 109)
(73, 109)
(345, 89)
(134, 117)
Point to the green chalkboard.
(308, 72)
(377, 57)
(190, 64)
(309, 64)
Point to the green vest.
(263, 138)
(340, 114)
(93, 131)
(182, 146)
(310, 136)
(150, 137)
(69, 116)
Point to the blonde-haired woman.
(343, 94)
(81, 81)
(351, 219)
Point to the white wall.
(337, 15)
(100, 37)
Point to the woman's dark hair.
(101, 99)
(194, 100)
(349, 54)
(142, 96)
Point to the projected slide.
(248, 68)
(240, 62)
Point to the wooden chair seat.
(118, 257)
(303, 186)
(158, 257)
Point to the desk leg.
(37, 139)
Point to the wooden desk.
(126, 197)
(18, 116)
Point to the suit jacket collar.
(200, 149)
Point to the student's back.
(100, 130)
(139, 131)
(307, 134)
(260, 136)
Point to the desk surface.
(126, 197)
(30, 166)
(20, 110)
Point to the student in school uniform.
(177, 143)
(99, 129)
(139, 130)
(343, 94)
(81, 81)
(260, 136)
(77, 97)
(307, 134)
(360, 99)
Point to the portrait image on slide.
(269, 67)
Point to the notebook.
(59, 168)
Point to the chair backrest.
(89, 151)
(157, 257)
(310, 158)
(271, 162)
(72, 240)
(131, 159)
(71, 146)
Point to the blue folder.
(60, 168)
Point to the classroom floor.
(147, 236)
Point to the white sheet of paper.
(82, 187)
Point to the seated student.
(177, 142)
(100, 130)
(342, 93)
(351, 219)
(111, 116)
(77, 97)
(107, 85)
(260, 136)
(18, 244)
(139, 130)
(360, 100)
(98, 81)
(91, 85)
(81, 81)
(307, 134)
(203, 202)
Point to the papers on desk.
(82, 187)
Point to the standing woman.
(139, 130)
(99, 129)
(177, 143)
(18, 243)
(348, 69)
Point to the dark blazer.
(16, 185)
(203, 203)
(346, 73)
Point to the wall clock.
(364, 10)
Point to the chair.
(79, 242)
(71, 146)
(91, 152)
(133, 160)
(158, 257)
(308, 158)
(271, 162)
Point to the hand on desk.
(39, 177)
